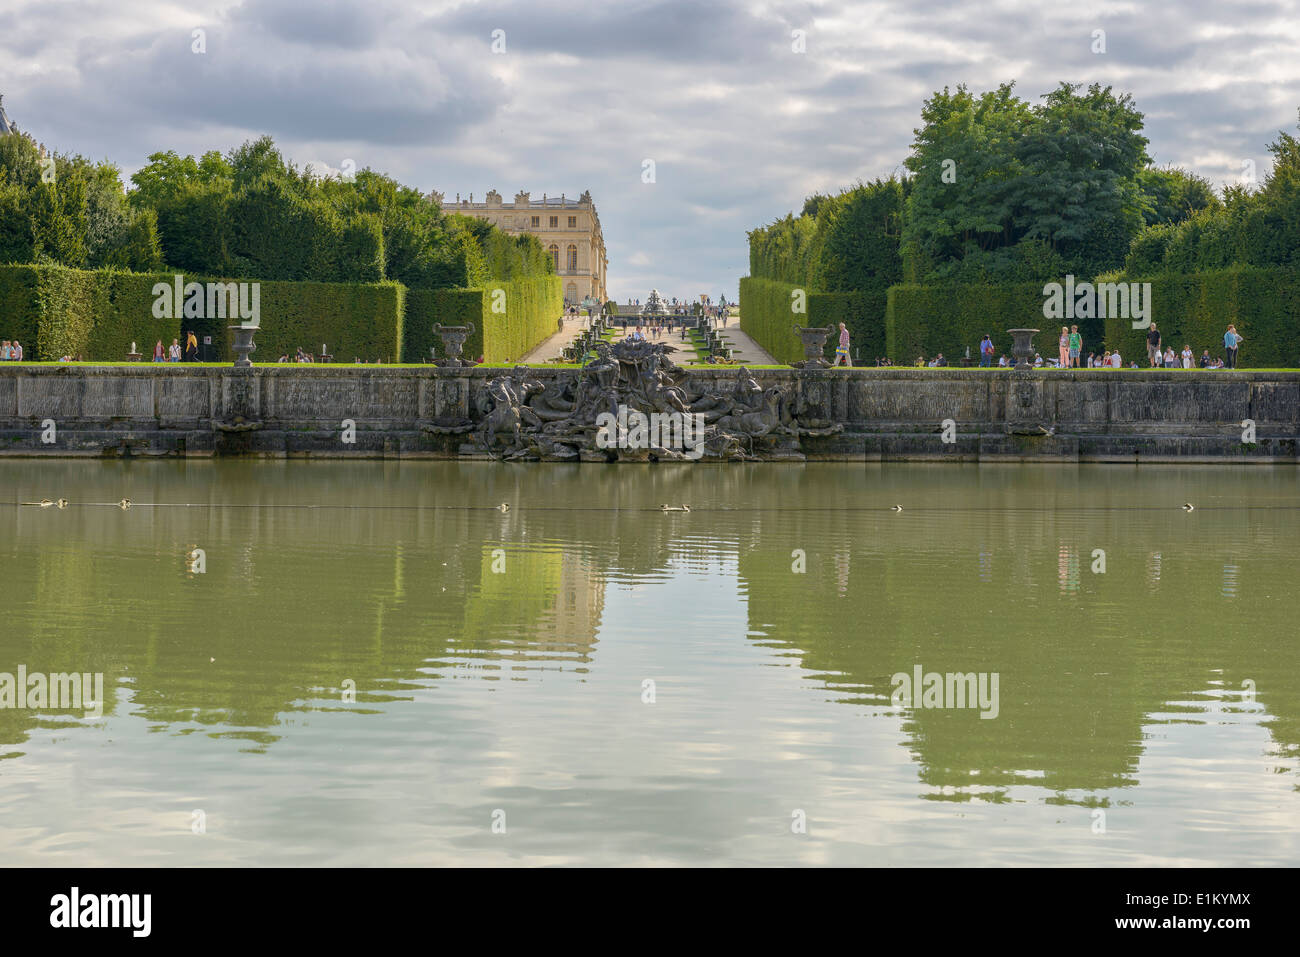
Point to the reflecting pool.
(370, 663)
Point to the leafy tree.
(1171, 195)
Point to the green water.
(501, 661)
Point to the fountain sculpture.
(522, 417)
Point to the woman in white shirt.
(1187, 356)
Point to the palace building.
(569, 229)
(6, 126)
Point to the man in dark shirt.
(1154, 355)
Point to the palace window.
(572, 257)
(537, 221)
(555, 221)
(555, 256)
(573, 222)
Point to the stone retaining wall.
(888, 414)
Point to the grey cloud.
(710, 90)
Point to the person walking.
(16, 351)
(1154, 353)
(1076, 346)
(191, 347)
(1063, 348)
(158, 355)
(1230, 342)
(1187, 356)
(843, 351)
(174, 351)
(986, 351)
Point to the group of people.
(301, 355)
(1163, 356)
(175, 352)
(11, 351)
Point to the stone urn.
(1022, 347)
(243, 346)
(814, 342)
(453, 342)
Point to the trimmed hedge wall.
(1262, 302)
(355, 320)
(533, 311)
(55, 311)
(1193, 308)
(948, 318)
(19, 307)
(766, 317)
(98, 314)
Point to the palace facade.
(569, 229)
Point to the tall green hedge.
(56, 311)
(99, 313)
(1192, 309)
(19, 306)
(766, 316)
(949, 318)
(1195, 309)
(532, 311)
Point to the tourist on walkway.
(843, 351)
(174, 351)
(6, 351)
(1076, 346)
(1187, 356)
(1205, 359)
(158, 354)
(1063, 348)
(986, 351)
(1153, 345)
(1169, 357)
(191, 347)
(1230, 342)
(1116, 362)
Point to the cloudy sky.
(740, 124)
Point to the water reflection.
(585, 575)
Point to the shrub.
(766, 317)
(948, 318)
